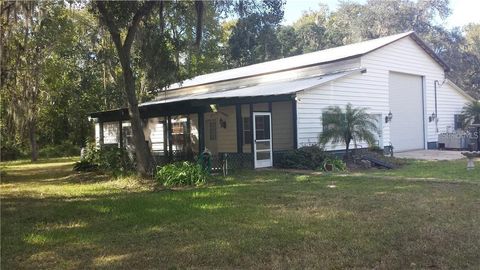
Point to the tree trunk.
(347, 147)
(32, 128)
(142, 153)
(478, 138)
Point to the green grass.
(424, 215)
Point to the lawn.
(425, 215)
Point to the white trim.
(262, 163)
(459, 90)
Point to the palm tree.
(471, 112)
(345, 126)
(471, 115)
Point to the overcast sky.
(463, 11)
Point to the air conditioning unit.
(453, 140)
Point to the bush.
(65, 149)
(84, 166)
(337, 164)
(11, 152)
(112, 159)
(308, 157)
(180, 174)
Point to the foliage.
(471, 113)
(111, 159)
(307, 157)
(65, 149)
(345, 126)
(84, 166)
(253, 39)
(9, 151)
(181, 174)
(337, 164)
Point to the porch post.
(294, 124)
(201, 132)
(100, 124)
(238, 115)
(170, 137)
(252, 128)
(188, 138)
(120, 134)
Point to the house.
(277, 105)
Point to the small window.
(326, 127)
(212, 125)
(459, 121)
(247, 131)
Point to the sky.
(463, 11)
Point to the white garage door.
(406, 104)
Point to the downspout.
(436, 106)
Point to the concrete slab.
(431, 155)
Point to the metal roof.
(308, 59)
(267, 89)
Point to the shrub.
(11, 152)
(308, 157)
(84, 166)
(112, 159)
(337, 164)
(180, 174)
(65, 149)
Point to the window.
(212, 126)
(458, 120)
(326, 127)
(247, 131)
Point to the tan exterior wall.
(227, 137)
(282, 125)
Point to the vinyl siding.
(369, 89)
(450, 102)
(405, 56)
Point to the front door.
(262, 138)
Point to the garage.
(406, 104)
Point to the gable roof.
(304, 60)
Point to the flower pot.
(328, 167)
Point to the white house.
(277, 105)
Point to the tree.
(288, 41)
(253, 38)
(345, 126)
(125, 18)
(31, 32)
(471, 115)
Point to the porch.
(243, 132)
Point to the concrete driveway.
(430, 155)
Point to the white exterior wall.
(406, 56)
(450, 102)
(356, 89)
(371, 90)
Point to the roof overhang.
(460, 90)
(265, 89)
(266, 92)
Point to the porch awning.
(267, 89)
